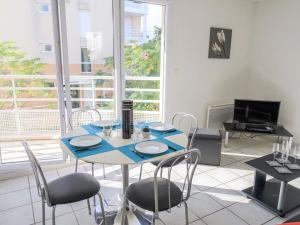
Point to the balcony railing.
(29, 103)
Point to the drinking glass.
(118, 127)
(137, 136)
(107, 130)
(275, 150)
(140, 124)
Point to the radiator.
(218, 114)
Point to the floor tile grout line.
(237, 215)
(6, 193)
(270, 220)
(19, 206)
(15, 207)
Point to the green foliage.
(14, 61)
(140, 60)
(144, 60)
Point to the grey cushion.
(169, 162)
(72, 188)
(142, 194)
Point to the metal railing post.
(17, 113)
(93, 94)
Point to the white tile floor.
(216, 198)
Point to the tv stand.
(273, 130)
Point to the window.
(43, 8)
(45, 48)
(143, 59)
(84, 23)
(86, 66)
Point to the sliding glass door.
(57, 56)
(115, 51)
(90, 48)
(143, 57)
(28, 82)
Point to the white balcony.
(35, 116)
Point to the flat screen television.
(256, 112)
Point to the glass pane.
(142, 30)
(90, 50)
(28, 85)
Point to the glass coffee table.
(275, 194)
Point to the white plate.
(151, 147)
(161, 127)
(85, 141)
(104, 123)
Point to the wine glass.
(282, 150)
(296, 153)
(275, 150)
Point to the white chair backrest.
(40, 180)
(191, 159)
(83, 116)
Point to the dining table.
(115, 150)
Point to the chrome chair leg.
(76, 165)
(161, 172)
(53, 215)
(102, 207)
(89, 206)
(141, 171)
(43, 211)
(93, 174)
(103, 168)
(186, 213)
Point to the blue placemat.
(104, 147)
(160, 134)
(92, 129)
(128, 150)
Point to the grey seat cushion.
(142, 194)
(72, 188)
(169, 162)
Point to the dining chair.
(185, 122)
(64, 190)
(81, 117)
(157, 194)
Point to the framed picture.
(219, 43)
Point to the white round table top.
(116, 157)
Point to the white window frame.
(119, 37)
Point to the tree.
(14, 61)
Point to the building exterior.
(89, 31)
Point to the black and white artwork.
(219, 43)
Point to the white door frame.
(120, 39)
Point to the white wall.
(194, 81)
(275, 64)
